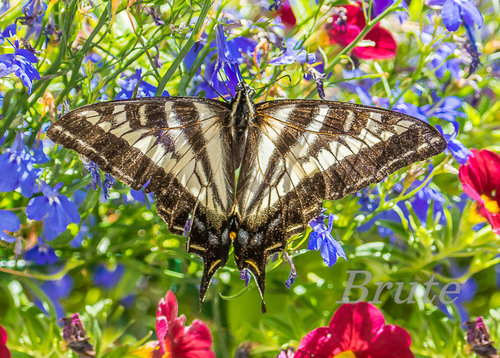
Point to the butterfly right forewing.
(300, 152)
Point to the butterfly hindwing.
(302, 151)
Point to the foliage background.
(125, 236)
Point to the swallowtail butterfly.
(289, 156)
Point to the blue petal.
(70, 208)
(37, 208)
(9, 221)
(470, 14)
(328, 253)
(6, 238)
(451, 15)
(314, 241)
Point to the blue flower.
(245, 276)
(107, 183)
(226, 62)
(423, 200)
(379, 6)
(293, 53)
(441, 63)
(4, 6)
(139, 196)
(41, 254)
(293, 271)
(454, 12)
(360, 87)
(20, 63)
(321, 238)
(33, 11)
(8, 222)
(55, 209)
(459, 151)
(8, 32)
(18, 162)
(95, 177)
(108, 278)
(275, 5)
(134, 82)
(55, 291)
(446, 108)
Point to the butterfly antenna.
(276, 80)
(214, 89)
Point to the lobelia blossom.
(293, 54)
(55, 291)
(34, 12)
(347, 26)
(321, 238)
(356, 330)
(20, 63)
(9, 31)
(227, 62)
(41, 254)
(107, 183)
(108, 278)
(136, 83)
(8, 222)
(379, 6)
(56, 210)
(174, 339)
(18, 161)
(4, 351)
(456, 12)
(480, 179)
(459, 151)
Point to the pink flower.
(4, 351)
(175, 340)
(345, 30)
(480, 178)
(356, 331)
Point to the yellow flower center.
(474, 216)
(490, 204)
(346, 354)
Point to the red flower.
(480, 179)
(286, 14)
(358, 331)
(344, 32)
(4, 351)
(175, 340)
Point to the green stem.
(185, 49)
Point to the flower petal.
(385, 46)
(470, 14)
(391, 342)
(451, 15)
(9, 221)
(355, 325)
(37, 208)
(318, 343)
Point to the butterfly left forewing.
(300, 152)
(180, 147)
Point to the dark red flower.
(286, 14)
(346, 27)
(480, 179)
(175, 340)
(356, 331)
(4, 351)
